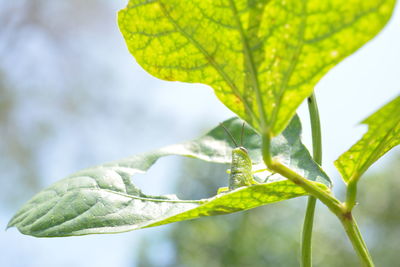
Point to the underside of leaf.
(88, 208)
(262, 58)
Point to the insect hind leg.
(222, 190)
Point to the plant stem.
(306, 246)
(352, 231)
(306, 241)
(315, 128)
(325, 196)
(351, 194)
(338, 208)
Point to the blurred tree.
(380, 211)
(269, 236)
(70, 97)
(50, 65)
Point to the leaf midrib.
(289, 72)
(250, 64)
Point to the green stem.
(352, 231)
(326, 197)
(351, 194)
(306, 246)
(315, 128)
(306, 241)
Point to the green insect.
(240, 173)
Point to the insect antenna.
(229, 134)
(241, 135)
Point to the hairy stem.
(306, 245)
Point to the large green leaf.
(103, 199)
(262, 58)
(383, 134)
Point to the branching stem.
(325, 196)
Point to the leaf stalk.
(311, 187)
(351, 195)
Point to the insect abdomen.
(241, 174)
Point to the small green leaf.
(262, 58)
(103, 199)
(383, 134)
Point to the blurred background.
(71, 96)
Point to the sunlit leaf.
(103, 199)
(262, 58)
(383, 134)
(87, 207)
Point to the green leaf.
(262, 58)
(102, 199)
(383, 134)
